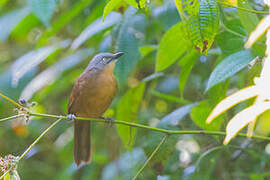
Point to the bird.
(91, 95)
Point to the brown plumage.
(91, 95)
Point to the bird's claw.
(108, 120)
(71, 117)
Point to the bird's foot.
(71, 117)
(108, 120)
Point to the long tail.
(82, 144)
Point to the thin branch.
(150, 157)
(10, 100)
(244, 9)
(166, 131)
(11, 117)
(33, 144)
(39, 137)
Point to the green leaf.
(63, 20)
(203, 24)
(24, 27)
(232, 39)
(10, 20)
(171, 47)
(145, 50)
(248, 20)
(128, 40)
(188, 62)
(136, 3)
(43, 9)
(111, 5)
(199, 114)
(127, 110)
(229, 66)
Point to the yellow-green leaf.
(111, 5)
(127, 110)
(172, 45)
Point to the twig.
(33, 144)
(10, 100)
(11, 117)
(202, 132)
(244, 9)
(150, 157)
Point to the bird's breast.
(101, 90)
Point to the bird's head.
(103, 60)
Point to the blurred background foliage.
(172, 74)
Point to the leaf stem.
(150, 157)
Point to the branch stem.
(11, 117)
(166, 131)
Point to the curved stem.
(10, 100)
(150, 157)
(167, 131)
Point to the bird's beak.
(117, 55)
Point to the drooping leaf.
(10, 20)
(111, 5)
(127, 110)
(128, 41)
(96, 27)
(229, 66)
(173, 44)
(33, 58)
(63, 20)
(202, 23)
(49, 75)
(199, 114)
(188, 62)
(43, 9)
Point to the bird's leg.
(108, 120)
(71, 117)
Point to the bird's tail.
(82, 144)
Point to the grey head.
(101, 60)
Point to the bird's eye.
(104, 60)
